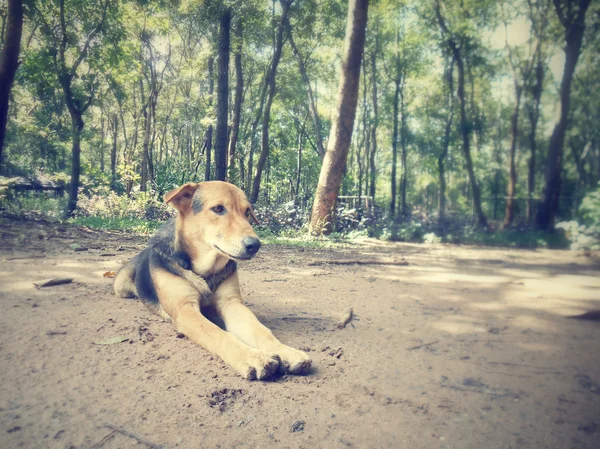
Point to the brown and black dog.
(190, 264)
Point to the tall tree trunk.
(446, 142)
(102, 140)
(311, 100)
(299, 167)
(209, 130)
(509, 213)
(239, 98)
(253, 128)
(465, 125)
(373, 173)
(146, 142)
(9, 62)
(76, 130)
(264, 152)
(465, 129)
(395, 142)
(222, 97)
(334, 163)
(534, 114)
(113, 151)
(403, 138)
(573, 21)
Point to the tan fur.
(211, 240)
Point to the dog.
(190, 264)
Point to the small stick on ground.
(422, 346)
(133, 435)
(345, 318)
(358, 262)
(52, 282)
(104, 440)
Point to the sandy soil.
(461, 348)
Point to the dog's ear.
(254, 217)
(181, 198)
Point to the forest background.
(476, 121)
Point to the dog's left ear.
(254, 217)
(181, 198)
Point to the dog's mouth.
(231, 256)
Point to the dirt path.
(462, 348)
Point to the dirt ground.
(461, 348)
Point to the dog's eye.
(219, 209)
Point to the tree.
(309, 92)
(453, 41)
(441, 161)
(538, 16)
(222, 97)
(239, 97)
(208, 142)
(9, 61)
(270, 82)
(68, 58)
(340, 137)
(571, 14)
(522, 70)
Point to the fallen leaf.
(111, 341)
(109, 274)
(52, 282)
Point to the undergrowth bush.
(585, 233)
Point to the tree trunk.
(239, 97)
(395, 143)
(76, 130)
(9, 62)
(465, 125)
(146, 142)
(574, 29)
(311, 100)
(403, 136)
(209, 130)
(113, 152)
(509, 213)
(465, 128)
(534, 114)
(373, 172)
(264, 152)
(298, 167)
(340, 136)
(102, 140)
(446, 143)
(222, 97)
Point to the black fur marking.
(143, 278)
(163, 243)
(196, 206)
(217, 279)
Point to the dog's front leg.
(180, 300)
(241, 322)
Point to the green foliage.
(166, 46)
(586, 234)
(103, 203)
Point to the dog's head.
(216, 214)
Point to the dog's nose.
(252, 245)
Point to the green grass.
(137, 225)
(513, 239)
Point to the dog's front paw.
(258, 365)
(293, 361)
